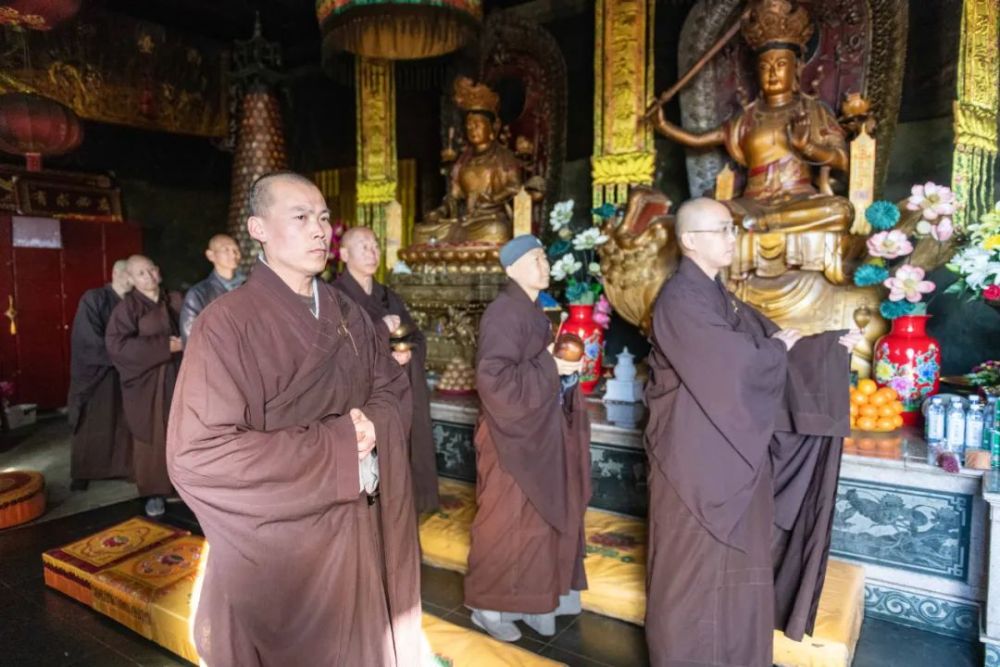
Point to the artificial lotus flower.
(594, 269)
(565, 266)
(932, 200)
(909, 284)
(561, 214)
(889, 245)
(588, 239)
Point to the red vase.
(581, 322)
(909, 361)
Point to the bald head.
(121, 281)
(261, 195)
(145, 275)
(360, 251)
(705, 234)
(224, 254)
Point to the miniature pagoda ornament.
(624, 388)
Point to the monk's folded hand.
(788, 336)
(176, 344)
(365, 430)
(402, 358)
(392, 322)
(851, 339)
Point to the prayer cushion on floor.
(616, 574)
(22, 497)
(455, 646)
(71, 568)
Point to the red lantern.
(37, 14)
(32, 126)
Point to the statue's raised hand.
(798, 131)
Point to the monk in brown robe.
(144, 343)
(731, 425)
(360, 251)
(102, 445)
(532, 444)
(288, 441)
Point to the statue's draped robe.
(532, 466)
(102, 445)
(739, 430)
(203, 293)
(423, 458)
(138, 341)
(303, 569)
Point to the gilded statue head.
(481, 106)
(778, 31)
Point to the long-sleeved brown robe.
(138, 342)
(717, 400)
(303, 570)
(423, 457)
(102, 445)
(532, 466)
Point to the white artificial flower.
(561, 214)
(932, 200)
(589, 238)
(594, 269)
(565, 266)
(401, 268)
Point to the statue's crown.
(774, 22)
(470, 96)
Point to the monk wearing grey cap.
(532, 462)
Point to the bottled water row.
(957, 428)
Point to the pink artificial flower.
(603, 305)
(992, 293)
(602, 320)
(909, 284)
(889, 245)
(943, 230)
(932, 200)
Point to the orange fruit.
(885, 424)
(888, 392)
(897, 407)
(866, 443)
(868, 411)
(854, 410)
(859, 399)
(886, 411)
(878, 400)
(867, 386)
(897, 421)
(866, 423)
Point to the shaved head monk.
(143, 341)
(288, 441)
(360, 251)
(532, 462)
(102, 445)
(744, 436)
(224, 254)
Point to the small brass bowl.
(402, 346)
(402, 331)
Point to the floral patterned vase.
(581, 322)
(909, 361)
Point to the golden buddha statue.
(484, 179)
(790, 257)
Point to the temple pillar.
(375, 84)
(974, 162)
(259, 131)
(623, 89)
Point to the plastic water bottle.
(989, 420)
(974, 427)
(935, 421)
(955, 426)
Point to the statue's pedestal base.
(447, 308)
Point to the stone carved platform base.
(447, 307)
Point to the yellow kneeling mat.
(616, 575)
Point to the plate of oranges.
(875, 408)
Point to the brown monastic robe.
(532, 465)
(138, 342)
(423, 457)
(102, 445)
(303, 569)
(717, 397)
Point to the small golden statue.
(484, 179)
